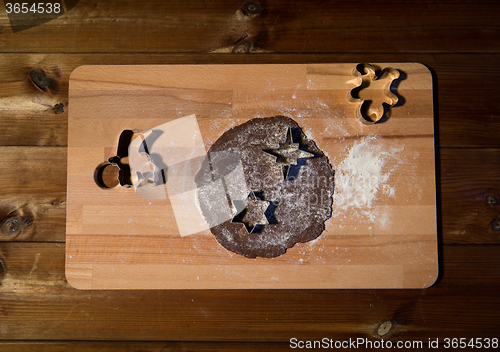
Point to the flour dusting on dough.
(363, 175)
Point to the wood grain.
(284, 26)
(465, 178)
(33, 193)
(398, 233)
(143, 346)
(459, 121)
(37, 303)
(459, 41)
(464, 184)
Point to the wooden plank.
(147, 346)
(38, 304)
(465, 178)
(143, 346)
(326, 26)
(33, 193)
(111, 346)
(27, 115)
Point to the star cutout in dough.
(289, 154)
(254, 212)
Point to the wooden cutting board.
(382, 233)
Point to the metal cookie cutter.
(371, 111)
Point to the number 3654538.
(40, 7)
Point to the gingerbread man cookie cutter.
(370, 111)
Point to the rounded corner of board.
(79, 276)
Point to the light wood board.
(386, 238)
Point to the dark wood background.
(458, 40)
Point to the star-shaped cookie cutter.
(290, 155)
(255, 212)
(369, 112)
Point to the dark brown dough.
(304, 203)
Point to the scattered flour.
(362, 175)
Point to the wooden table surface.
(458, 41)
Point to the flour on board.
(362, 176)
